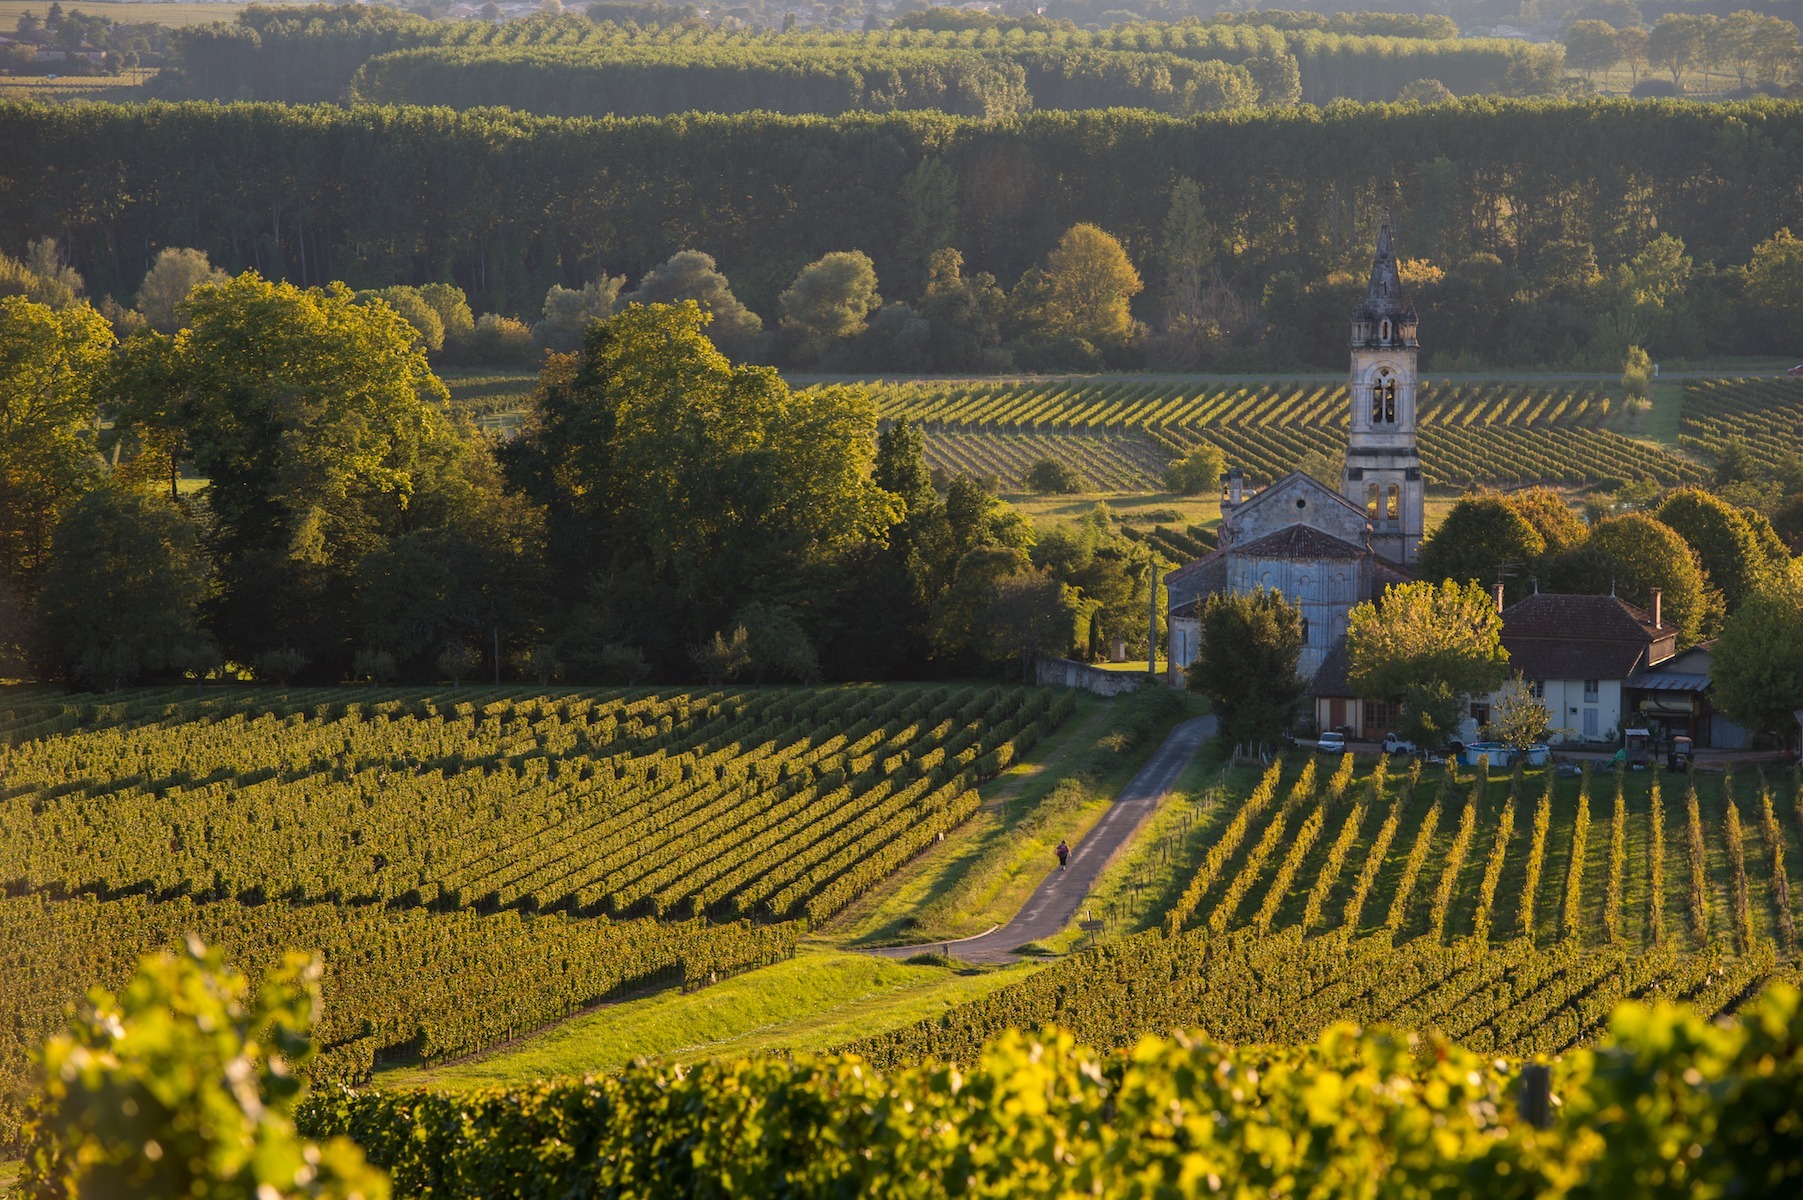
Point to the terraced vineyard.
(1492, 433)
(469, 867)
(1510, 914)
(1764, 415)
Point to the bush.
(1048, 475)
(1197, 472)
(502, 341)
(1656, 89)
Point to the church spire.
(1385, 316)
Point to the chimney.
(1658, 606)
(1499, 602)
(1236, 486)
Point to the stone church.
(1323, 549)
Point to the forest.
(572, 65)
(1535, 227)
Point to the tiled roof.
(1301, 542)
(1330, 676)
(1200, 577)
(1553, 636)
(1555, 615)
(1192, 610)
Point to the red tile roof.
(1301, 542)
(1553, 636)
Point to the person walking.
(1064, 853)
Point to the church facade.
(1328, 550)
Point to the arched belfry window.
(1383, 331)
(1371, 512)
(1383, 399)
(1393, 503)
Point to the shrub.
(1048, 475)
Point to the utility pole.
(1152, 613)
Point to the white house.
(1578, 654)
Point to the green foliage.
(41, 276)
(123, 593)
(1423, 635)
(1087, 283)
(1354, 1112)
(1197, 473)
(570, 311)
(830, 300)
(1246, 656)
(1518, 718)
(1757, 665)
(49, 361)
(1734, 557)
(692, 275)
(174, 274)
(1637, 374)
(1048, 475)
(1629, 556)
(319, 427)
(1484, 539)
(184, 1086)
(689, 486)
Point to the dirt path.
(1056, 900)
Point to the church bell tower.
(1383, 466)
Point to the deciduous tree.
(1486, 540)
(124, 592)
(175, 273)
(1426, 641)
(1757, 666)
(1631, 555)
(692, 275)
(1736, 560)
(1248, 648)
(50, 363)
(1088, 281)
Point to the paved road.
(1055, 901)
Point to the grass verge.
(1141, 884)
(982, 874)
(818, 1000)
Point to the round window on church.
(1301, 502)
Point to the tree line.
(273, 482)
(1758, 49)
(319, 53)
(1537, 231)
(659, 80)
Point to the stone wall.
(1064, 672)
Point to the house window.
(1592, 689)
(1379, 715)
(1481, 714)
(1537, 688)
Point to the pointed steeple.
(1384, 317)
(1386, 281)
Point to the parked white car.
(1397, 745)
(1332, 743)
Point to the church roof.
(1200, 576)
(1301, 542)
